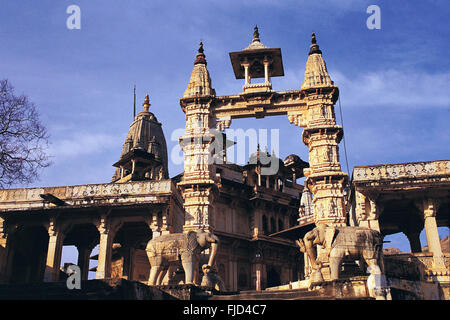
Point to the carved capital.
(103, 225)
(55, 227)
(3, 229)
(428, 206)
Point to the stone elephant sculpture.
(339, 242)
(168, 250)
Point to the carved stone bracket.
(223, 123)
(297, 119)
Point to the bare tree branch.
(23, 139)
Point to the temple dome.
(145, 145)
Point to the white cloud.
(384, 88)
(83, 143)
(394, 88)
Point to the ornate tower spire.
(200, 82)
(146, 104)
(200, 57)
(316, 73)
(322, 136)
(255, 34)
(198, 181)
(134, 102)
(314, 48)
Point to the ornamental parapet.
(411, 170)
(107, 193)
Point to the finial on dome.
(200, 57)
(146, 104)
(255, 34)
(314, 48)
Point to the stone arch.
(27, 254)
(81, 238)
(273, 277)
(129, 259)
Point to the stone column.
(128, 257)
(84, 253)
(266, 71)
(434, 243)
(234, 274)
(105, 248)
(54, 251)
(258, 276)
(247, 80)
(3, 251)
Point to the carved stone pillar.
(4, 248)
(166, 224)
(107, 232)
(84, 253)
(247, 78)
(266, 71)
(233, 274)
(430, 207)
(259, 272)
(128, 257)
(54, 251)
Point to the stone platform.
(354, 288)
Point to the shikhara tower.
(322, 136)
(198, 182)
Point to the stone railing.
(412, 265)
(16, 198)
(304, 220)
(402, 171)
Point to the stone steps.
(294, 294)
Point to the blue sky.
(394, 82)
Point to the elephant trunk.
(212, 255)
(309, 248)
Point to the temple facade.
(256, 210)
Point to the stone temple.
(220, 230)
